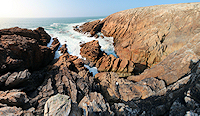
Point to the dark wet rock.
(177, 108)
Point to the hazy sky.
(73, 8)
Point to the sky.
(73, 8)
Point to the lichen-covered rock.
(58, 105)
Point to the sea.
(62, 28)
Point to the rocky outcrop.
(90, 27)
(170, 87)
(116, 89)
(147, 35)
(176, 65)
(123, 67)
(164, 38)
(14, 98)
(39, 34)
(105, 63)
(91, 51)
(68, 76)
(24, 49)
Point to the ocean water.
(62, 28)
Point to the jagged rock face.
(91, 51)
(147, 35)
(22, 48)
(68, 76)
(105, 63)
(39, 34)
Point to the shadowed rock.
(21, 49)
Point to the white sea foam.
(92, 69)
(66, 35)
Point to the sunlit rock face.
(147, 35)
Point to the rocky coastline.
(157, 71)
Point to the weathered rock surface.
(17, 78)
(58, 105)
(105, 63)
(91, 51)
(22, 49)
(39, 34)
(68, 76)
(14, 98)
(94, 104)
(90, 27)
(147, 35)
(122, 109)
(122, 67)
(176, 65)
(10, 111)
(115, 88)
(166, 35)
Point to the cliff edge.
(147, 35)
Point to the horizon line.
(55, 17)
